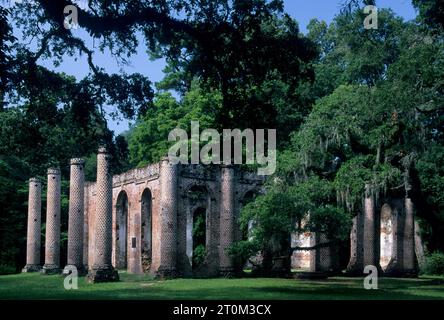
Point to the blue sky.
(302, 10)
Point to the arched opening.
(199, 237)
(386, 237)
(121, 230)
(147, 230)
(246, 232)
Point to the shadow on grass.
(144, 287)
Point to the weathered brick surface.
(301, 259)
(227, 217)
(386, 236)
(52, 238)
(409, 261)
(76, 214)
(397, 254)
(101, 269)
(324, 258)
(356, 263)
(133, 183)
(371, 233)
(169, 175)
(33, 239)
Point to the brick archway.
(121, 238)
(146, 248)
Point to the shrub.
(7, 269)
(434, 264)
(199, 254)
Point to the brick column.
(226, 220)
(419, 246)
(323, 259)
(34, 226)
(355, 265)
(409, 261)
(102, 269)
(371, 248)
(76, 216)
(395, 244)
(52, 242)
(168, 216)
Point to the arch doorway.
(121, 239)
(199, 237)
(147, 230)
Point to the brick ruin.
(142, 221)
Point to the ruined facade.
(178, 220)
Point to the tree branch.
(101, 25)
(317, 246)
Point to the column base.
(32, 268)
(166, 273)
(354, 269)
(227, 272)
(312, 275)
(50, 269)
(102, 274)
(397, 272)
(81, 271)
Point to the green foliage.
(280, 211)
(377, 120)
(199, 254)
(431, 12)
(13, 200)
(351, 54)
(199, 226)
(199, 237)
(332, 221)
(148, 140)
(431, 173)
(353, 107)
(7, 269)
(244, 249)
(434, 264)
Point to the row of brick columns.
(102, 269)
(365, 244)
(52, 236)
(365, 239)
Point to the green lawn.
(36, 286)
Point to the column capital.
(34, 180)
(54, 171)
(77, 161)
(102, 150)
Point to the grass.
(36, 286)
